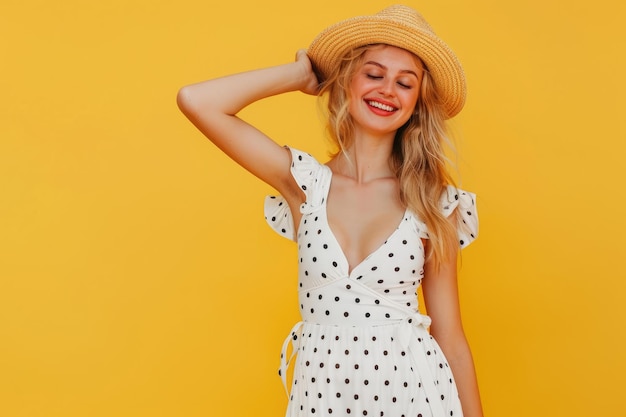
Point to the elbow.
(195, 103)
(184, 100)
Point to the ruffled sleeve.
(312, 177)
(465, 201)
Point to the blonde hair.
(418, 155)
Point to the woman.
(377, 220)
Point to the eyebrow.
(378, 64)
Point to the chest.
(363, 217)
(394, 267)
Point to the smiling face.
(384, 89)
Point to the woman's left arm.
(441, 296)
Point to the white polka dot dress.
(362, 348)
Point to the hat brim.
(332, 44)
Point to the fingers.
(301, 54)
(310, 83)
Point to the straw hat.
(398, 26)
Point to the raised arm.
(442, 302)
(212, 106)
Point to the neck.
(367, 159)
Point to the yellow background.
(138, 277)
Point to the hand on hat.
(310, 84)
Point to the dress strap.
(313, 179)
(294, 339)
(455, 199)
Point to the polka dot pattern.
(362, 348)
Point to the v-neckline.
(350, 268)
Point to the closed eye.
(408, 87)
(374, 77)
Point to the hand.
(310, 84)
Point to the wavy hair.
(418, 156)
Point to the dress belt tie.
(413, 332)
(413, 320)
(293, 338)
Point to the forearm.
(462, 364)
(212, 107)
(228, 95)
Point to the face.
(384, 89)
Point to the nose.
(387, 87)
